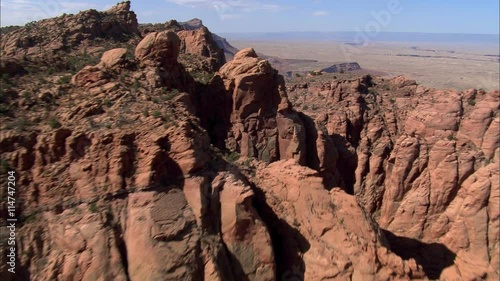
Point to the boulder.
(114, 58)
(158, 49)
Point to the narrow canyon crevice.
(288, 243)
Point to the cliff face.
(68, 31)
(146, 165)
(196, 40)
(423, 162)
(125, 186)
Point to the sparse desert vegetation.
(161, 152)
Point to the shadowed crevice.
(288, 243)
(117, 232)
(433, 257)
(213, 105)
(347, 162)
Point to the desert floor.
(440, 65)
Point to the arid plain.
(441, 65)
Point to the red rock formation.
(316, 232)
(158, 49)
(124, 182)
(136, 202)
(419, 159)
(157, 53)
(196, 40)
(263, 124)
(67, 31)
(243, 232)
(440, 187)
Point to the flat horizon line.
(405, 32)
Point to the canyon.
(145, 152)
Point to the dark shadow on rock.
(167, 172)
(117, 231)
(229, 265)
(347, 162)
(433, 257)
(312, 159)
(23, 269)
(22, 274)
(213, 106)
(236, 267)
(225, 265)
(330, 177)
(288, 243)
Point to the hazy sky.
(434, 16)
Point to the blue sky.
(432, 16)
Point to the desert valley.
(166, 152)
(439, 65)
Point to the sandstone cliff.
(196, 40)
(155, 160)
(424, 162)
(68, 31)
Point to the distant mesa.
(342, 67)
(192, 24)
(355, 44)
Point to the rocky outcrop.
(417, 159)
(138, 200)
(157, 54)
(263, 124)
(114, 58)
(243, 232)
(61, 34)
(197, 44)
(112, 61)
(132, 170)
(192, 24)
(197, 39)
(441, 181)
(130, 210)
(196, 24)
(201, 43)
(316, 233)
(229, 50)
(158, 49)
